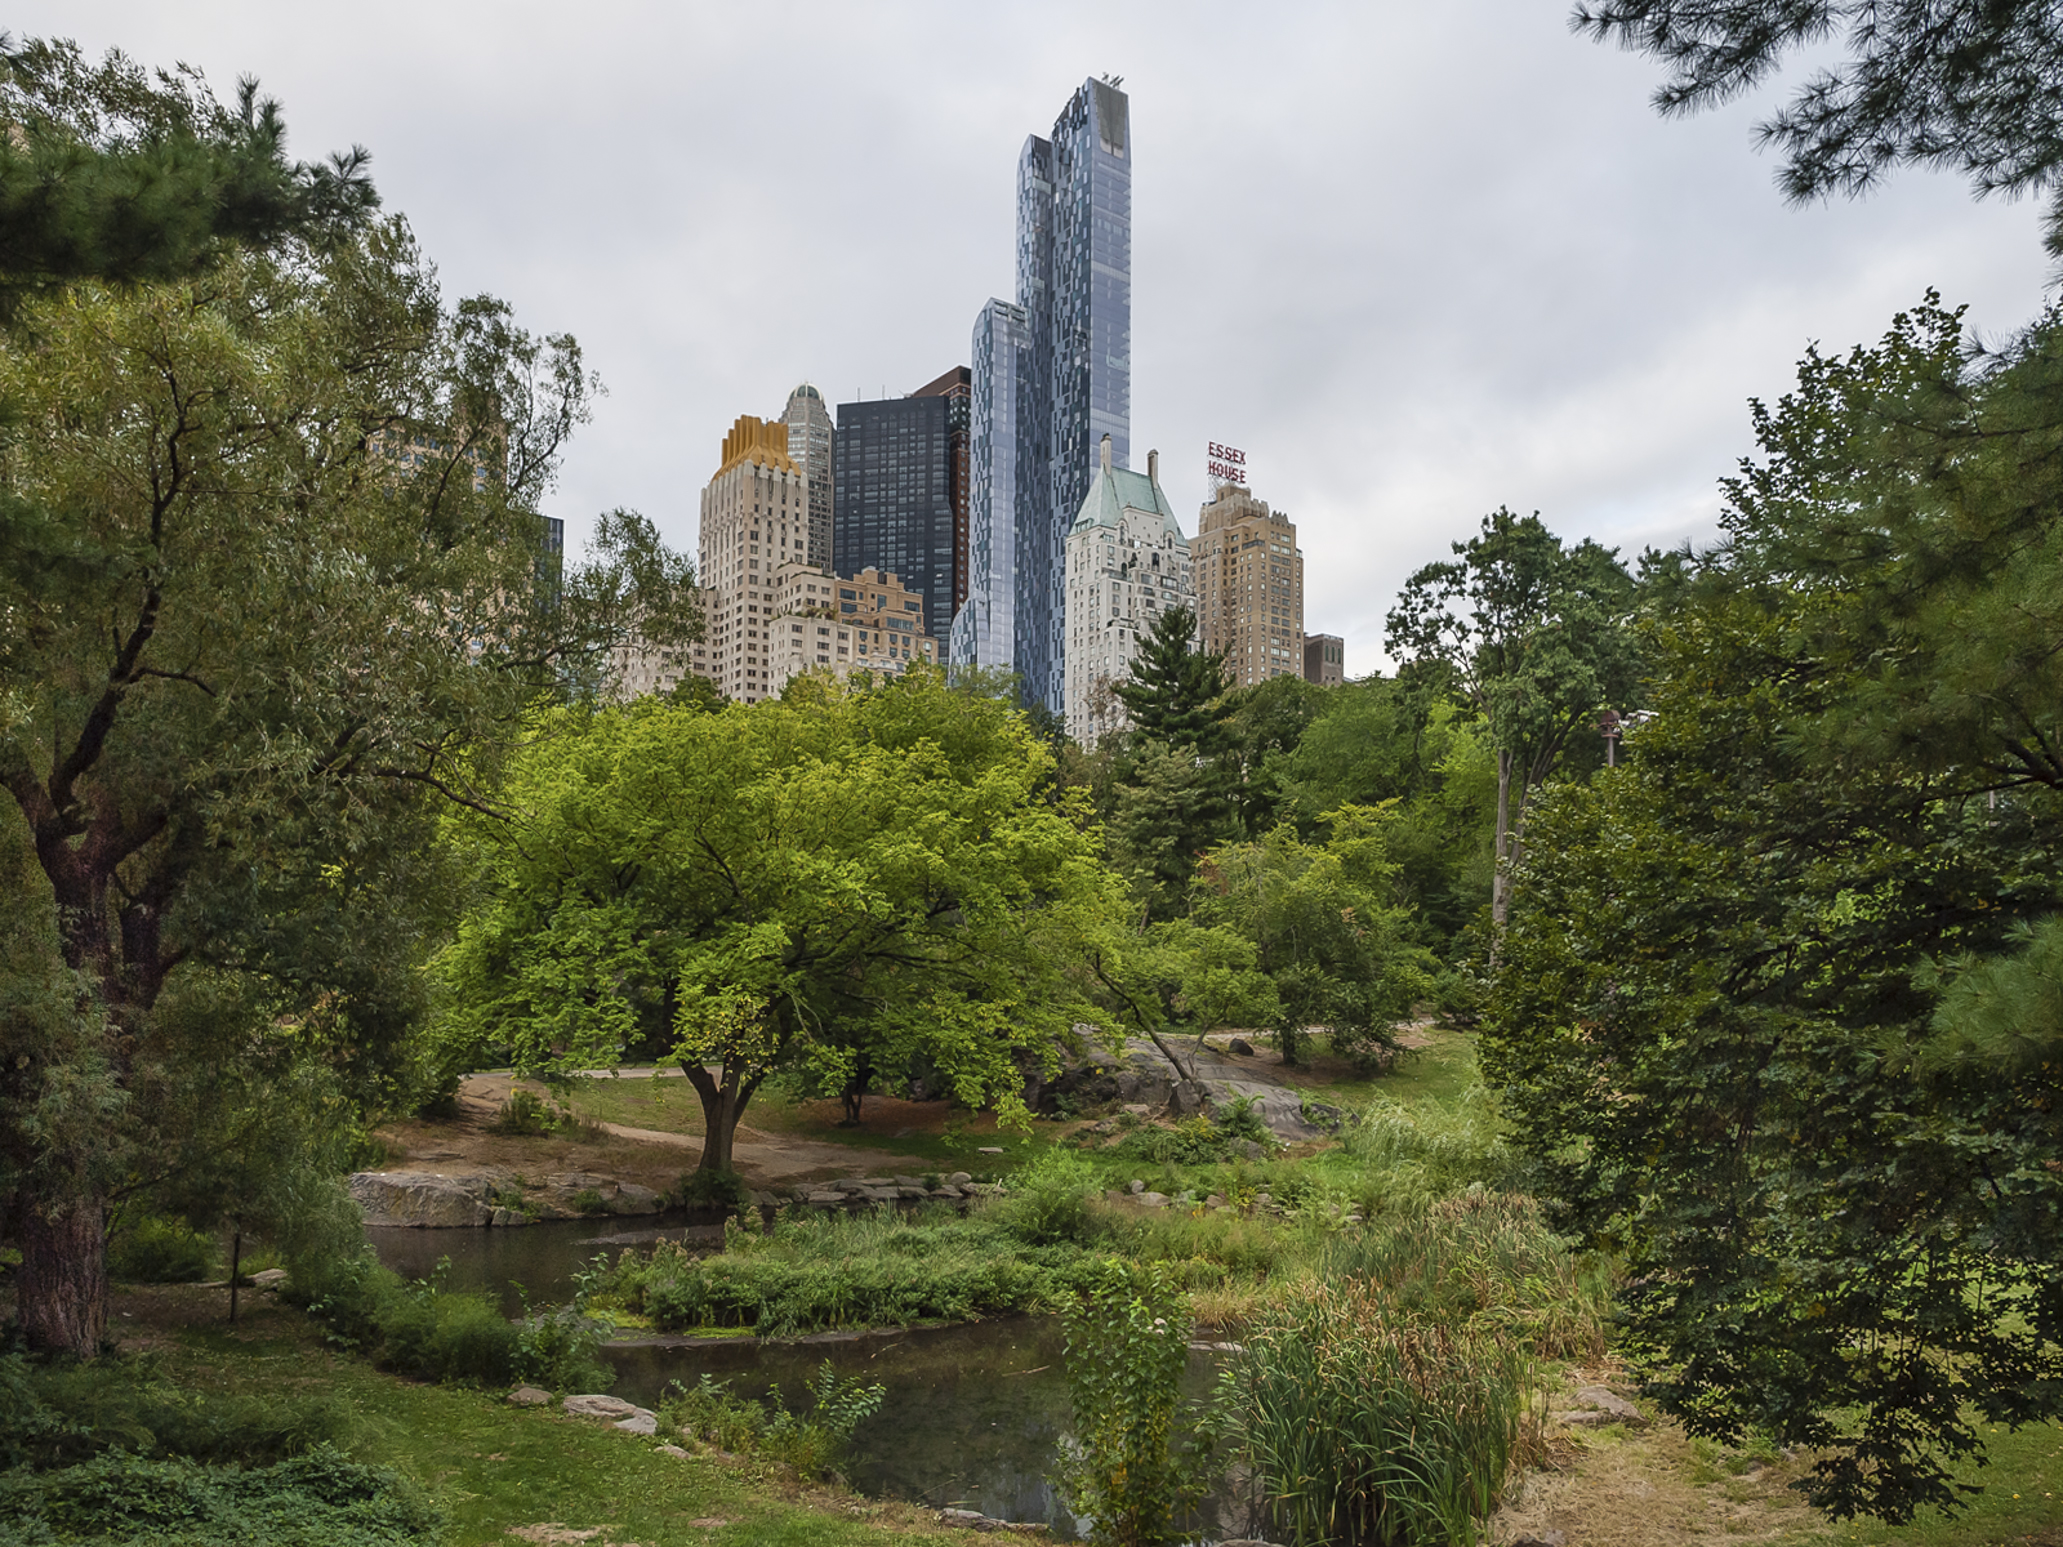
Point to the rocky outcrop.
(423, 1198)
(495, 1197)
(1142, 1076)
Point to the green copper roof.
(1120, 489)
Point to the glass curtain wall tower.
(1069, 382)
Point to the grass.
(493, 1468)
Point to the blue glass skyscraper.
(1052, 377)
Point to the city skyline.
(1418, 264)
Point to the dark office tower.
(892, 496)
(957, 388)
(1070, 382)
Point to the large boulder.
(423, 1198)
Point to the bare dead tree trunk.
(61, 1292)
(236, 1257)
(1500, 881)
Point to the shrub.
(319, 1499)
(523, 1115)
(60, 1414)
(150, 1250)
(812, 1443)
(590, 1201)
(1129, 1465)
(1048, 1201)
(724, 1190)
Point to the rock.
(989, 1149)
(1215, 1201)
(510, 1219)
(959, 1178)
(966, 1519)
(1151, 1200)
(1530, 1539)
(633, 1199)
(1239, 1047)
(579, 1181)
(595, 1404)
(530, 1396)
(673, 1450)
(1188, 1098)
(269, 1277)
(1595, 1407)
(422, 1198)
(640, 1422)
(1135, 1186)
(1139, 1109)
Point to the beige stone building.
(1250, 587)
(868, 622)
(755, 522)
(1127, 563)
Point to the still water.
(972, 1417)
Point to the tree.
(1326, 928)
(270, 590)
(1973, 85)
(1776, 1014)
(1541, 648)
(842, 873)
(1267, 721)
(1173, 782)
(110, 174)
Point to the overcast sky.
(1419, 260)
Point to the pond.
(973, 1413)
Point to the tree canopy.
(1775, 1018)
(844, 873)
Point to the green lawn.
(493, 1467)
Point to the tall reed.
(1371, 1428)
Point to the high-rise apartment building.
(893, 500)
(825, 623)
(1127, 563)
(956, 386)
(809, 448)
(1250, 586)
(1325, 659)
(755, 520)
(984, 629)
(1053, 393)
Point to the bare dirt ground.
(466, 1145)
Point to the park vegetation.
(318, 799)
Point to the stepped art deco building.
(1052, 376)
(755, 522)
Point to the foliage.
(150, 1250)
(421, 1329)
(320, 1499)
(1771, 1018)
(1532, 636)
(1048, 1201)
(1176, 692)
(863, 871)
(1325, 927)
(1132, 1466)
(819, 1272)
(1970, 84)
(811, 1442)
(113, 174)
(1370, 1428)
(1266, 723)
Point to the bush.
(1048, 1201)
(724, 1190)
(316, 1500)
(62, 1413)
(1129, 1466)
(812, 1443)
(150, 1250)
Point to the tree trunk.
(723, 1103)
(1500, 883)
(236, 1257)
(61, 1291)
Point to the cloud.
(1417, 260)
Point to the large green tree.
(1532, 635)
(1776, 1018)
(270, 591)
(840, 874)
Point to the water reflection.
(973, 1414)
